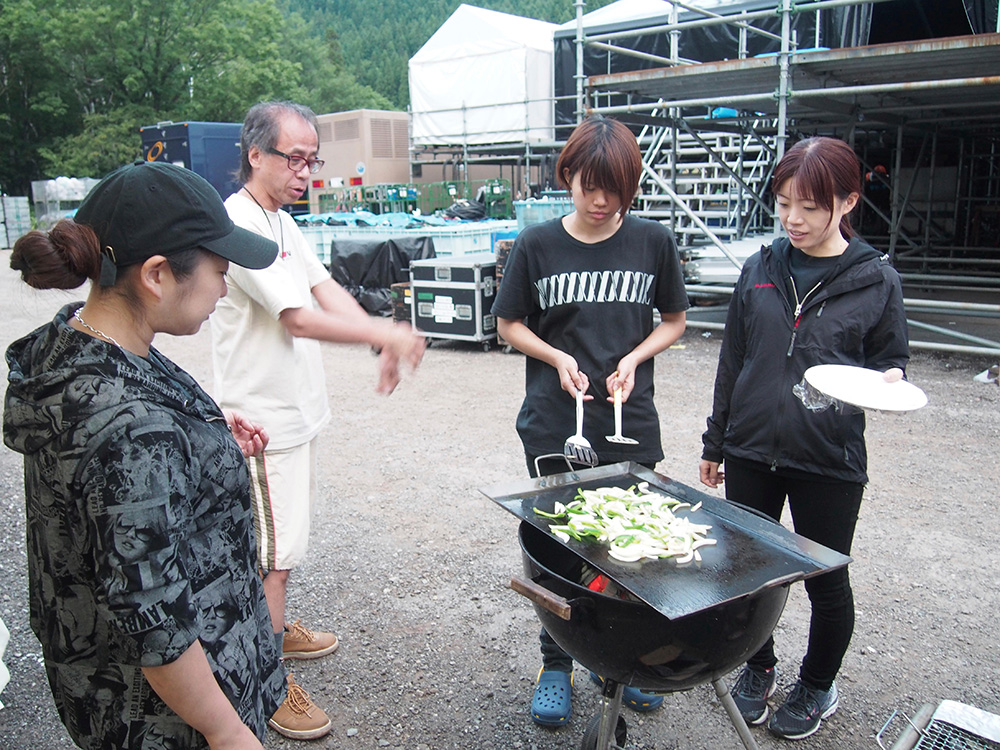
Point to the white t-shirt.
(260, 370)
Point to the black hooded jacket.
(774, 333)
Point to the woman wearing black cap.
(137, 494)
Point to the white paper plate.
(865, 388)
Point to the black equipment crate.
(401, 302)
(452, 297)
(210, 149)
(503, 248)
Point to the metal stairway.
(708, 186)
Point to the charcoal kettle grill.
(679, 625)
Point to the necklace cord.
(281, 231)
(102, 334)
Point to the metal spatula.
(618, 437)
(577, 447)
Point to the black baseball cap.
(149, 208)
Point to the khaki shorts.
(283, 489)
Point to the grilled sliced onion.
(635, 523)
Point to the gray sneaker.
(751, 691)
(802, 711)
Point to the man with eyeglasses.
(267, 363)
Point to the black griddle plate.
(751, 553)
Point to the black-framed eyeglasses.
(295, 163)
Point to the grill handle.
(557, 605)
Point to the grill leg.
(739, 723)
(611, 708)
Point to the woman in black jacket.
(820, 296)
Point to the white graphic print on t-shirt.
(594, 286)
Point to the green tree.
(190, 58)
(36, 100)
(106, 141)
(325, 84)
(78, 78)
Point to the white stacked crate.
(466, 238)
(15, 219)
(57, 199)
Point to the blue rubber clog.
(551, 705)
(634, 698)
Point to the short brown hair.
(823, 168)
(605, 154)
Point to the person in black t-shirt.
(578, 298)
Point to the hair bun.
(62, 258)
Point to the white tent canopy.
(483, 77)
(639, 13)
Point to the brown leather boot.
(302, 643)
(298, 718)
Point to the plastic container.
(533, 211)
(503, 234)
(321, 236)
(460, 239)
(15, 219)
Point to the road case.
(452, 297)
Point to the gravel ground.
(410, 562)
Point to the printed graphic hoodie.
(139, 536)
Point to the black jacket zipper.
(797, 314)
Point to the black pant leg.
(754, 486)
(827, 512)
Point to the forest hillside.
(78, 78)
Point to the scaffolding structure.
(923, 116)
(528, 166)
